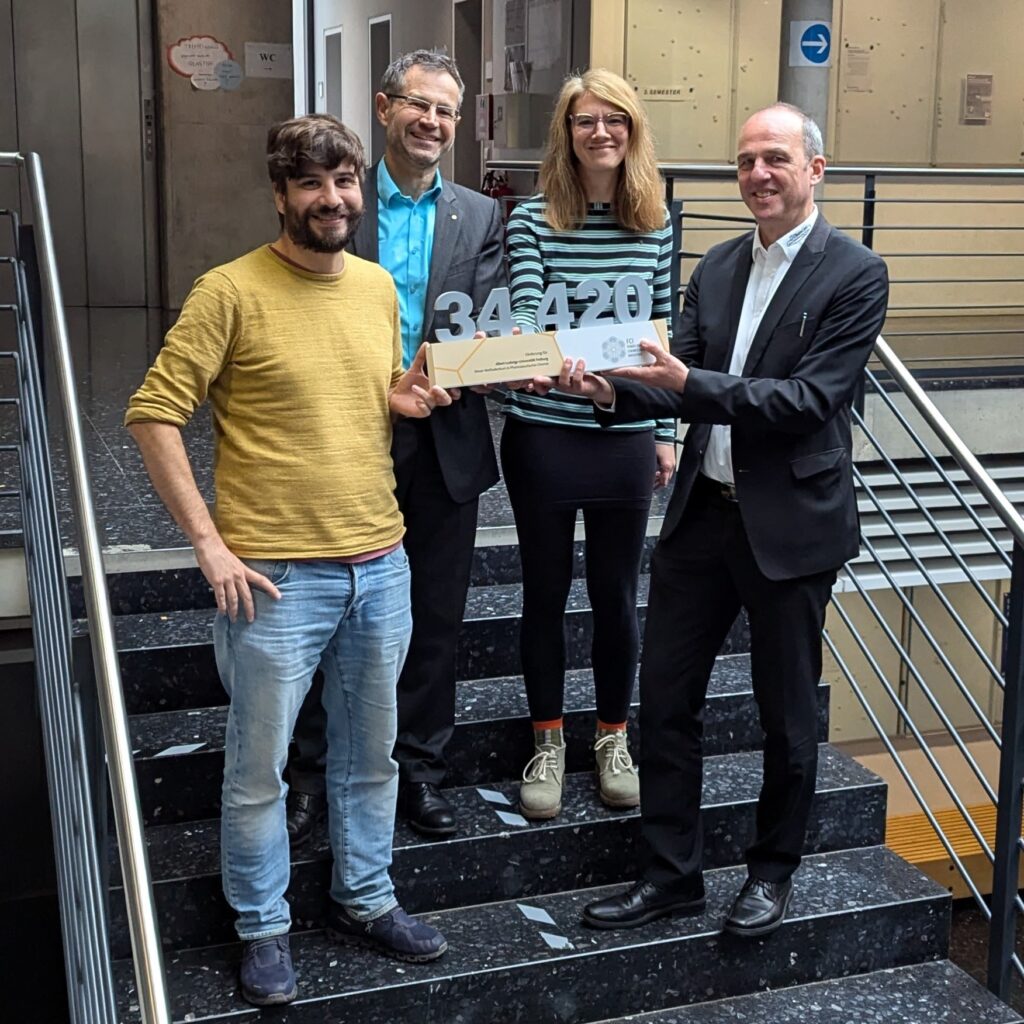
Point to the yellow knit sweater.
(297, 368)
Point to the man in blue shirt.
(432, 236)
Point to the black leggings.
(550, 472)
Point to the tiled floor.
(968, 946)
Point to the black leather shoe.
(760, 907)
(427, 809)
(642, 903)
(302, 812)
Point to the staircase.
(866, 938)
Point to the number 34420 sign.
(603, 341)
(628, 301)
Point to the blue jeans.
(353, 621)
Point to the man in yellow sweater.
(297, 345)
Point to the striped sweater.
(539, 256)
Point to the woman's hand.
(666, 457)
(574, 380)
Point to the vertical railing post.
(867, 231)
(1006, 869)
(676, 273)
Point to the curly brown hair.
(311, 139)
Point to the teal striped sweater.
(540, 256)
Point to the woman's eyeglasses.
(424, 107)
(615, 122)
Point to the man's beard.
(300, 230)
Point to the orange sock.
(606, 727)
(555, 723)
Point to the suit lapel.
(447, 228)
(808, 259)
(366, 242)
(719, 356)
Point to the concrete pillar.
(804, 70)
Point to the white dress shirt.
(770, 266)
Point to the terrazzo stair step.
(172, 582)
(929, 993)
(179, 755)
(532, 961)
(167, 658)
(497, 854)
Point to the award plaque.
(602, 341)
(603, 346)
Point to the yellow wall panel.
(981, 39)
(885, 104)
(608, 34)
(756, 67)
(682, 51)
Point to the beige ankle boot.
(616, 775)
(540, 795)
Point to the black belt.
(727, 492)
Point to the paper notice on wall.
(268, 60)
(197, 55)
(857, 69)
(976, 101)
(205, 81)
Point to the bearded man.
(298, 347)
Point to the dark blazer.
(790, 408)
(468, 256)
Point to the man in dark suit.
(776, 329)
(433, 236)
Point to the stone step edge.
(196, 621)
(552, 943)
(947, 983)
(838, 773)
(465, 714)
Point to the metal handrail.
(142, 920)
(722, 170)
(963, 456)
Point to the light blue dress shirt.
(405, 237)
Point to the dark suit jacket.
(790, 408)
(468, 256)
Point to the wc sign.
(810, 44)
(268, 60)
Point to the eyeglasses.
(614, 122)
(424, 107)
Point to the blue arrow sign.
(816, 43)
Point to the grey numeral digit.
(553, 313)
(459, 307)
(644, 300)
(496, 315)
(602, 296)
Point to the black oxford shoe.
(760, 907)
(302, 812)
(642, 903)
(427, 809)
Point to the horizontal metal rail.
(728, 171)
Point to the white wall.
(415, 24)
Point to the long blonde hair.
(639, 199)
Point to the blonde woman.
(599, 215)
